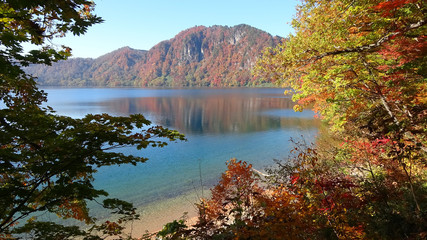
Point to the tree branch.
(368, 47)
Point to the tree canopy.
(349, 57)
(47, 161)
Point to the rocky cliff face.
(199, 56)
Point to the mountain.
(199, 56)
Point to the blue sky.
(141, 24)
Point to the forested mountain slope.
(199, 56)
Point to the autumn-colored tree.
(325, 201)
(47, 161)
(360, 62)
(234, 202)
(309, 197)
(298, 201)
(361, 66)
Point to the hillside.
(199, 56)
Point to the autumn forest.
(216, 56)
(360, 65)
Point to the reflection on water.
(217, 113)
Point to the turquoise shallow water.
(254, 125)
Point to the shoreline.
(155, 215)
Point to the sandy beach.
(157, 214)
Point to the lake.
(254, 125)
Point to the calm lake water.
(254, 125)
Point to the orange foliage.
(74, 209)
(300, 209)
(387, 7)
(234, 195)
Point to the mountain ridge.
(215, 56)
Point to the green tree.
(47, 161)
